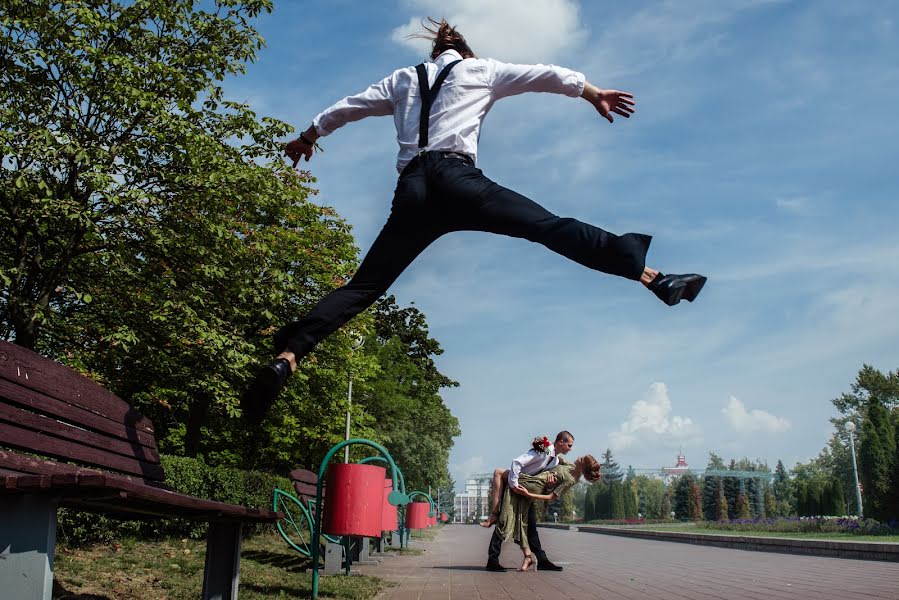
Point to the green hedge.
(189, 476)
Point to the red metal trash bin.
(389, 520)
(417, 515)
(354, 503)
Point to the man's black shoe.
(263, 390)
(547, 565)
(671, 289)
(495, 566)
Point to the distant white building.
(677, 470)
(472, 504)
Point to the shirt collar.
(447, 56)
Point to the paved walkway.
(614, 568)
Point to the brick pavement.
(614, 568)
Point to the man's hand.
(302, 146)
(551, 481)
(518, 489)
(609, 101)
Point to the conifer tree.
(742, 507)
(721, 507)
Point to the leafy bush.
(851, 525)
(191, 476)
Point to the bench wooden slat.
(304, 476)
(24, 418)
(35, 372)
(23, 463)
(304, 490)
(36, 401)
(26, 439)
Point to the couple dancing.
(538, 475)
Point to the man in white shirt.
(438, 108)
(531, 462)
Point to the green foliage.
(806, 525)
(665, 508)
(650, 493)
(185, 475)
(616, 500)
(610, 470)
(869, 383)
(876, 458)
(742, 507)
(681, 495)
(721, 504)
(631, 498)
(402, 396)
(154, 239)
(695, 507)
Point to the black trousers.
(496, 540)
(437, 194)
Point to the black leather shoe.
(495, 566)
(547, 565)
(263, 390)
(671, 289)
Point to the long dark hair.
(444, 37)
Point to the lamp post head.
(850, 426)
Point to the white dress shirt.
(461, 105)
(531, 463)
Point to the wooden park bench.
(304, 484)
(106, 462)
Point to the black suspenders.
(427, 99)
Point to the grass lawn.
(173, 570)
(845, 537)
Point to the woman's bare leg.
(499, 477)
(527, 561)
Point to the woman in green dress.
(513, 513)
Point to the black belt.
(458, 156)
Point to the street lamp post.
(850, 427)
(346, 450)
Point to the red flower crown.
(541, 444)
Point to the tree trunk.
(195, 421)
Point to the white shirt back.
(460, 107)
(531, 463)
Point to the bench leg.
(333, 558)
(27, 546)
(222, 574)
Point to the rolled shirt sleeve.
(518, 464)
(376, 101)
(509, 79)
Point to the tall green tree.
(695, 507)
(877, 453)
(783, 491)
(403, 396)
(721, 505)
(665, 508)
(610, 469)
(869, 383)
(711, 485)
(152, 236)
(616, 500)
(650, 493)
(106, 107)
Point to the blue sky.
(763, 154)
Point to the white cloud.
(650, 423)
(526, 31)
(469, 466)
(753, 420)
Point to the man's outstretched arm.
(376, 101)
(609, 101)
